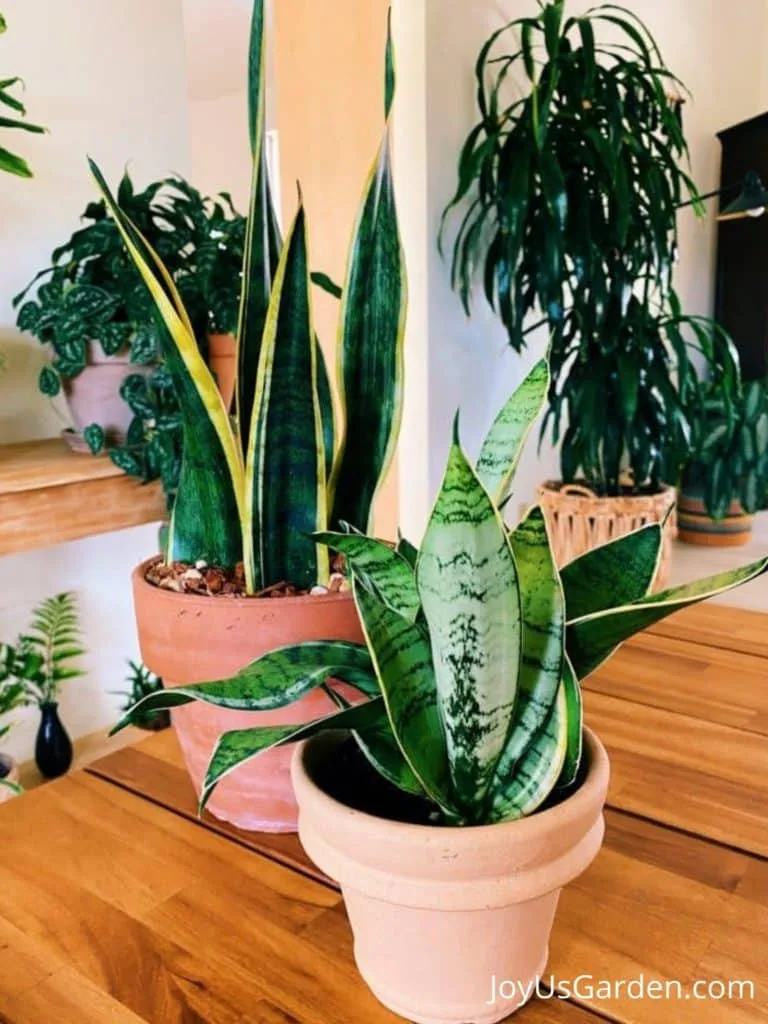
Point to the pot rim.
(204, 601)
(556, 487)
(459, 836)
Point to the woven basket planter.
(578, 520)
(696, 527)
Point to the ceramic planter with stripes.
(695, 526)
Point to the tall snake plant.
(475, 646)
(256, 491)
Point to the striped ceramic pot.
(696, 527)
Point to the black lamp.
(752, 201)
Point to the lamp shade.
(752, 201)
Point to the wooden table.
(117, 906)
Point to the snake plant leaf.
(390, 77)
(406, 550)
(613, 574)
(327, 415)
(536, 775)
(273, 681)
(591, 640)
(403, 663)
(468, 584)
(574, 706)
(262, 239)
(392, 576)
(208, 517)
(501, 449)
(543, 609)
(243, 745)
(370, 350)
(285, 467)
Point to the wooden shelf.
(49, 494)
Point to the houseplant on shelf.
(251, 495)
(726, 482)
(12, 696)
(97, 315)
(142, 683)
(11, 162)
(569, 195)
(468, 792)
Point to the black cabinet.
(741, 304)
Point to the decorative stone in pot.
(579, 520)
(185, 638)
(445, 919)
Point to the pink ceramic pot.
(189, 639)
(93, 396)
(444, 917)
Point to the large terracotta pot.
(93, 396)
(222, 358)
(439, 913)
(189, 639)
(578, 520)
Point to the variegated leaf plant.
(475, 647)
(257, 489)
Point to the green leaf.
(575, 715)
(403, 665)
(522, 792)
(593, 639)
(327, 284)
(391, 574)
(14, 164)
(501, 449)
(208, 515)
(389, 70)
(94, 438)
(408, 551)
(274, 681)
(243, 745)
(262, 238)
(49, 382)
(325, 399)
(285, 466)
(370, 353)
(468, 586)
(614, 574)
(543, 611)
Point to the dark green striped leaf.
(370, 355)
(403, 664)
(502, 447)
(325, 398)
(285, 467)
(392, 576)
(243, 745)
(536, 775)
(407, 550)
(468, 586)
(614, 574)
(262, 239)
(543, 608)
(575, 713)
(274, 681)
(593, 639)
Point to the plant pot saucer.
(75, 441)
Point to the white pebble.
(318, 591)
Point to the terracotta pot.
(697, 527)
(11, 775)
(579, 520)
(222, 358)
(189, 639)
(439, 913)
(93, 396)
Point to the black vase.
(53, 747)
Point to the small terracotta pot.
(12, 775)
(439, 913)
(696, 526)
(222, 358)
(185, 638)
(93, 396)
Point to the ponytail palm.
(254, 491)
(474, 650)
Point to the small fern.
(53, 640)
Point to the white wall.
(110, 82)
(717, 49)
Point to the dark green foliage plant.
(11, 162)
(569, 192)
(141, 683)
(730, 450)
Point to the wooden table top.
(117, 906)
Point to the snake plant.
(475, 646)
(254, 492)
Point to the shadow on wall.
(25, 414)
